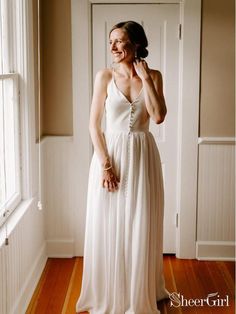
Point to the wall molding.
(215, 250)
(217, 140)
(56, 138)
(189, 77)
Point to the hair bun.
(142, 52)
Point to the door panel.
(160, 22)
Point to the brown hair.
(136, 35)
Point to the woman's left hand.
(142, 69)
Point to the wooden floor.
(60, 284)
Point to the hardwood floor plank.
(60, 285)
(40, 285)
(189, 283)
(53, 292)
(231, 268)
(170, 285)
(223, 284)
(74, 288)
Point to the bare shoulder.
(156, 75)
(104, 76)
(157, 80)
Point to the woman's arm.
(153, 91)
(109, 178)
(96, 113)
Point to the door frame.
(189, 90)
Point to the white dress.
(123, 260)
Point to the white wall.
(61, 189)
(216, 200)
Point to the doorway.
(181, 78)
(161, 24)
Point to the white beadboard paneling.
(60, 248)
(64, 194)
(3, 282)
(216, 195)
(31, 281)
(22, 261)
(60, 190)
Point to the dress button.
(131, 117)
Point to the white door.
(161, 23)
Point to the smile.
(116, 54)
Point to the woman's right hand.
(110, 181)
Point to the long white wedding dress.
(123, 260)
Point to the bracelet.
(107, 168)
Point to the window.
(10, 174)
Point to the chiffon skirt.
(123, 260)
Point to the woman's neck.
(126, 69)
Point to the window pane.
(9, 164)
(10, 195)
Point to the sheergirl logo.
(212, 299)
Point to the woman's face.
(120, 46)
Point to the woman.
(123, 261)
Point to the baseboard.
(215, 250)
(60, 248)
(31, 282)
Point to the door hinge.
(177, 220)
(180, 31)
